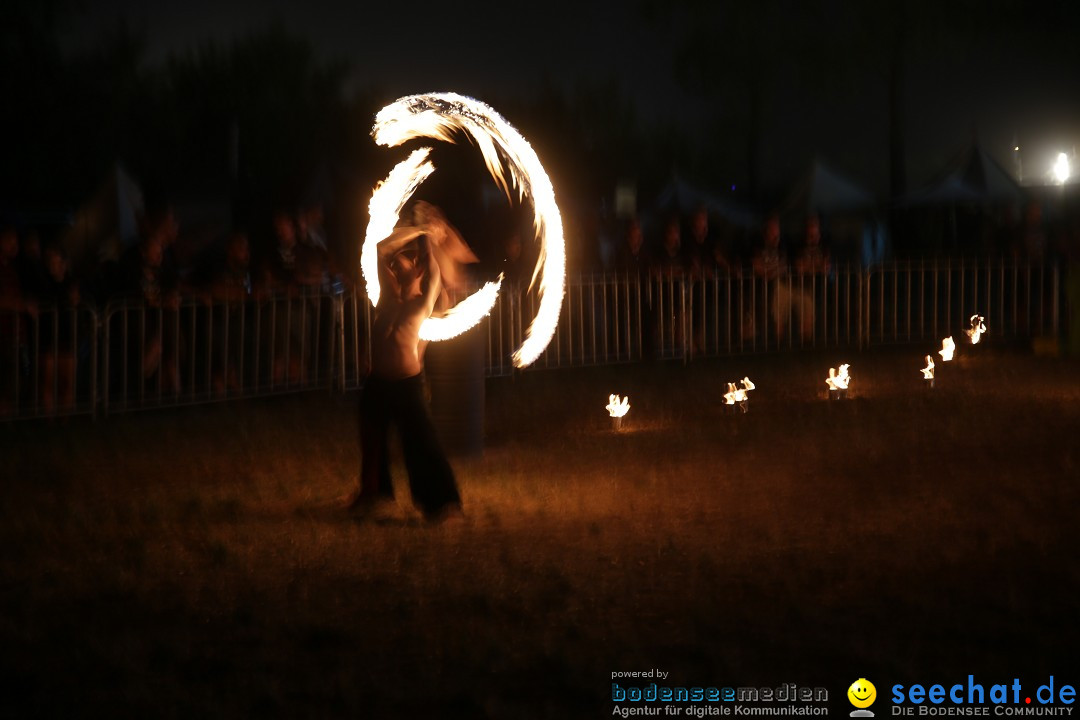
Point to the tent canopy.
(973, 177)
(108, 223)
(680, 196)
(822, 190)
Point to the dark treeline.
(258, 119)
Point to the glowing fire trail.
(948, 347)
(978, 327)
(441, 116)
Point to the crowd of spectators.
(44, 339)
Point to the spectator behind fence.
(670, 268)
(699, 251)
(813, 260)
(29, 264)
(701, 268)
(230, 288)
(633, 257)
(670, 262)
(634, 262)
(771, 266)
(58, 332)
(16, 308)
(143, 275)
(286, 267)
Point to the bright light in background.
(1061, 168)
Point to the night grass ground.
(190, 563)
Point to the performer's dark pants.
(401, 402)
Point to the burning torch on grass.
(838, 382)
(739, 395)
(978, 327)
(948, 347)
(617, 408)
(928, 372)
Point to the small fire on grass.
(838, 382)
(948, 347)
(617, 408)
(928, 371)
(978, 327)
(739, 395)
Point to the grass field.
(192, 563)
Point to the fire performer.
(416, 264)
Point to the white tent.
(106, 224)
(823, 191)
(971, 178)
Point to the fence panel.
(201, 352)
(930, 300)
(69, 361)
(48, 362)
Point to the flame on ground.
(948, 347)
(617, 407)
(736, 394)
(838, 379)
(928, 371)
(978, 327)
(442, 116)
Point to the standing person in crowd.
(633, 264)
(16, 308)
(230, 289)
(813, 260)
(144, 274)
(771, 266)
(702, 269)
(670, 269)
(58, 334)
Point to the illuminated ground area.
(189, 563)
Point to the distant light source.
(1061, 168)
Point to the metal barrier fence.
(929, 300)
(131, 356)
(198, 352)
(48, 362)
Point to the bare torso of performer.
(415, 264)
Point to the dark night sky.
(1014, 79)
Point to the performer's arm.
(389, 246)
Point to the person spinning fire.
(416, 265)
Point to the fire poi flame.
(738, 395)
(948, 347)
(838, 379)
(617, 407)
(928, 371)
(441, 116)
(978, 327)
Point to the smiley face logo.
(862, 693)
